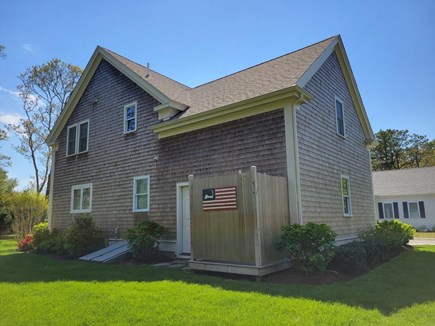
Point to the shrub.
(28, 208)
(45, 241)
(311, 245)
(82, 237)
(351, 258)
(25, 244)
(392, 234)
(144, 239)
(422, 228)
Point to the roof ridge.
(264, 62)
(136, 63)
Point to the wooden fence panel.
(273, 212)
(245, 235)
(220, 235)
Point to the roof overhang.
(98, 55)
(239, 110)
(338, 47)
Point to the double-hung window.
(414, 209)
(130, 117)
(81, 198)
(78, 138)
(339, 112)
(345, 194)
(141, 194)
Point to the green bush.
(47, 242)
(311, 245)
(144, 239)
(392, 234)
(82, 237)
(351, 258)
(28, 208)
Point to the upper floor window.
(78, 138)
(130, 117)
(339, 113)
(81, 198)
(141, 194)
(345, 194)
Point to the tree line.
(399, 149)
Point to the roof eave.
(257, 105)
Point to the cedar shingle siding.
(324, 155)
(114, 159)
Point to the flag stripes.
(224, 198)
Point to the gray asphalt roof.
(404, 182)
(264, 78)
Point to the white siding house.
(407, 195)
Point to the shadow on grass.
(402, 282)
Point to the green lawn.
(39, 290)
(424, 235)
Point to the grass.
(40, 290)
(424, 235)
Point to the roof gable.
(157, 85)
(286, 74)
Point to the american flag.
(219, 198)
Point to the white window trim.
(81, 187)
(337, 99)
(134, 194)
(76, 149)
(418, 209)
(67, 140)
(392, 206)
(78, 136)
(349, 196)
(129, 105)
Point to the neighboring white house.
(407, 195)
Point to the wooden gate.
(236, 220)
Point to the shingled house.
(128, 138)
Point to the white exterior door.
(185, 219)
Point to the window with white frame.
(130, 117)
(339, 112)
(388, 210)
(141, 194)
(81, 198)
(77, 138)
(414, 211)
(345, 194)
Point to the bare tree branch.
(44, 90)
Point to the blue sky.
(390, 44)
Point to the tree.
(28, 209)
(7, 186)
(415, 151)
(398, 149)
(388, 154)
(2, 51)
(428, 156)
(44, 91)
(4, 160)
